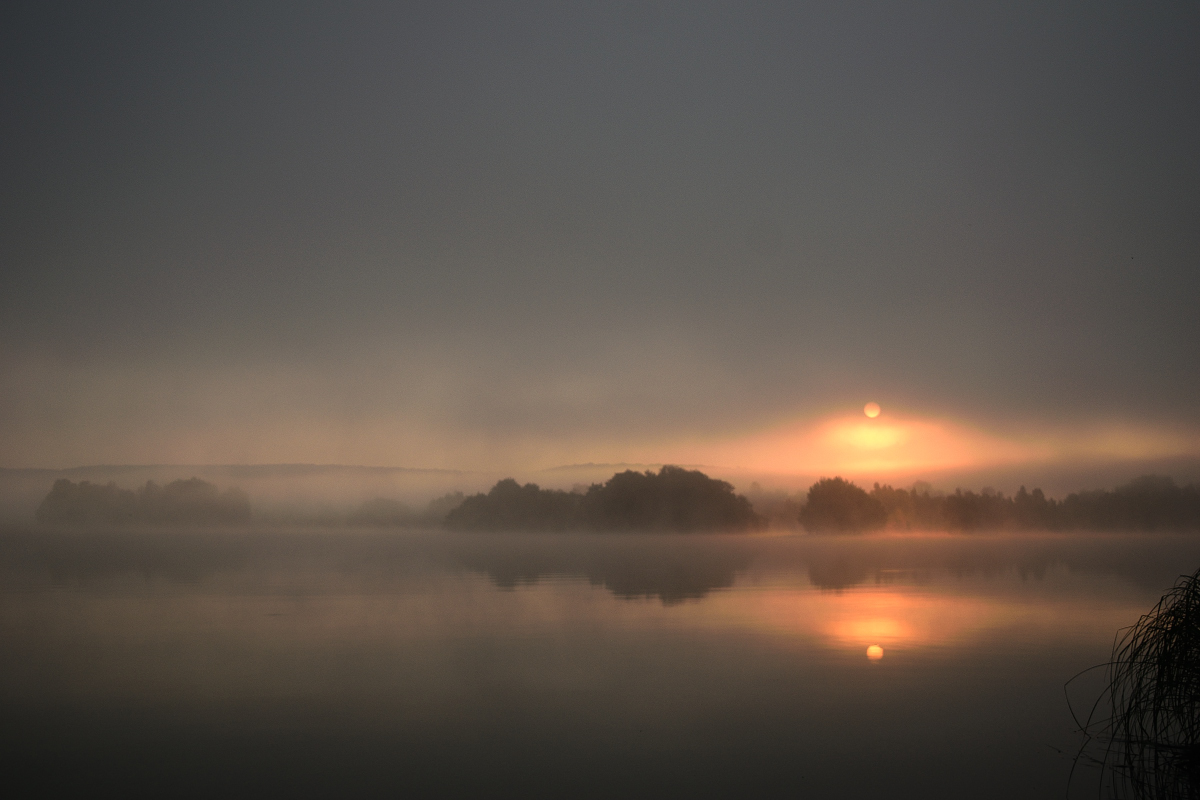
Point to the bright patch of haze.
(899, 446)
(511, 237)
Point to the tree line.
(672, 499)
(192, 502)
(1147, 503)
(688, 500)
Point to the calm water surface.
(347, 663)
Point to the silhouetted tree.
(969, 511)
(913, 509)
(192, 501)
(510, 506)
(673, 499)
(1031, 510)
(85, 503)
(1150, 502)
(835, 504)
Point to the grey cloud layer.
(738, 212)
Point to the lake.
(323, 663)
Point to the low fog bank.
(672, 498)
(280, 493)
(196, 502)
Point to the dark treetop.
(673, 499)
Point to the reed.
(1150, 739)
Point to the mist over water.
(321, 291)
(327, 662)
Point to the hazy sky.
(466, 235)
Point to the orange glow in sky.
(879, 445)
(875, 444)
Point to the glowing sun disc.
(872, 410)
(874, 652)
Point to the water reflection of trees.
(659, 566)
(675, 568)
(670, 567)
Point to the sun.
(874, 652)
(872, 410)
